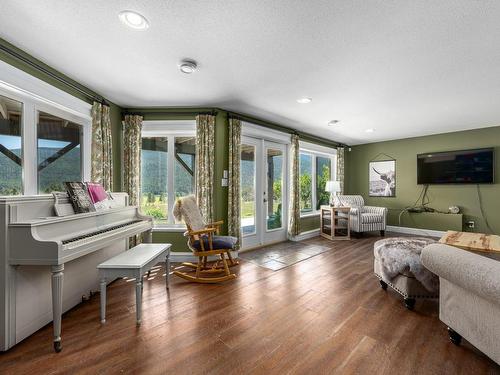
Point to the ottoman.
(403, 254)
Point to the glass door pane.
(274, 188)
(248, 193)
(10, 147)
(59, 152)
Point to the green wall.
(309, 223)
(441, 196)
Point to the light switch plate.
(224, 182)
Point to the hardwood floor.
(324, 315)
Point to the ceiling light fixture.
(370, 130)
(188, 66)
(304, 100)
(133, 19)
(333, 122)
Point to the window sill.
(312, 214)
(169, 229)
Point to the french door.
(264, 192)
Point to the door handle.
(265, 200)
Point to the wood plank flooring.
(324, 315)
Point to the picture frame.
(382, 178)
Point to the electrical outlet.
(470, 224)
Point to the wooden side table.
(335, 223)
(478, 242)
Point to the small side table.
(335, 223)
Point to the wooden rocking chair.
(204, 241)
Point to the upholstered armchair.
(363, 218)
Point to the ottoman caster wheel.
(455, 337)
(383, 284)
(409, 303)
(57, 346)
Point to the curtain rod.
(166, 113)
(283, 128)
(42, 69)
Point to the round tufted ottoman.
(397, 264)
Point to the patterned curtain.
(102, 157)
(340, 168)
(294, 207)
(205, 160)
(234, 211)
(132, 157)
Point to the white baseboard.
(179, 257)
(416, 231)
(305, 235)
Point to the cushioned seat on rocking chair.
(204, 241)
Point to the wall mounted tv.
(456, 167)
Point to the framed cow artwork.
(382, 178)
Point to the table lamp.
(333, 187)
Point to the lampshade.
(332, 186)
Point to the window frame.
(169, 129)
(39, 96)
(323, 152)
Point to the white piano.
(39, 250)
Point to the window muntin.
(11, 181)
(59, 152)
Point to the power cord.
(480, 199)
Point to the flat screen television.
(456, 167)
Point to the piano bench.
(133, 263)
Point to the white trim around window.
(317, 151)
(37, 95)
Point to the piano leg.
(57, 296)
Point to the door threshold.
(261, 246)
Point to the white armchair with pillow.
(364, 218)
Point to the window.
(45, 135)
(316, 168)
(39, 150)
(10, 147)
(59, 152)
(167, 169)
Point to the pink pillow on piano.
(96, 192)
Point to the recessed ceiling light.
(370, 130)
(333, 122)
(188, 66)
(133, 19)
(304, 100)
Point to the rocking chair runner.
(204, 241)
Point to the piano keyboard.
(77, 241)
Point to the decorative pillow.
(98, 196)
(79, 197)
(96, 192)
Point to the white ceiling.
(403, 67)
